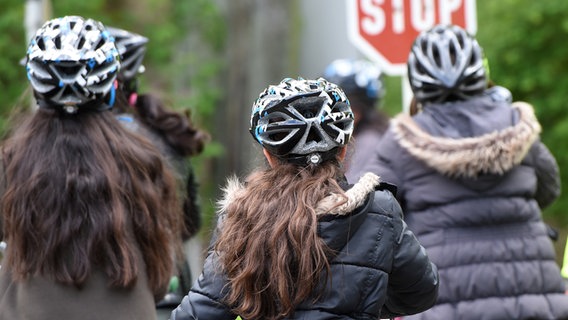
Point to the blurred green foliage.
(13, 80)
(524, 42)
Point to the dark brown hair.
(83, 193)
(269, 246)
(415, 107)
(175, 128)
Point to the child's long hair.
(175, 128)
(82, 193)
(268, 243)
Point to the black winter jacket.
(380, 268)
(472, 180)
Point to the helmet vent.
(69, 70)
(436, 56)
(41, 44)
(100, 44)
(81, 43)
(57, 42)
(310, 112)
(308, 107)
(453, 54)
(314, 136)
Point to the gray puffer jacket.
(472, 180)
(380, 268)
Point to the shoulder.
(384, 201)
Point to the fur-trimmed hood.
(356, 196)
(494, 152)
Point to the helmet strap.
(112, 93)
(314, 158)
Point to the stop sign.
(385, 29)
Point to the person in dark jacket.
(295, 241)
(175, 136)
(473, 177)
(362, 82)
(171, 131)
(80, 193)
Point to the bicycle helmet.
(301, 120)
(72, 62)
(356, 76)
(446, 64)
(132, 48)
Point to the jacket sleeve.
(413, 282)
(547, 173)
(204, 300)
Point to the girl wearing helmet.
(171, 132)
(473, 177)
(80, 193)
(295, 241)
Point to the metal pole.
(36, 12)
(33, 17)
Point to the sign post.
(383, 30)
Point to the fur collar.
(334, 204)
(494, 153)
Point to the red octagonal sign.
(385, 29)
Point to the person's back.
(172, 132)
(363, 84)
(473, 177)
(295, 241)
(177, 139)
(80, 191)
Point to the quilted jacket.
(473, 178)
(379, 269)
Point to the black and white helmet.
(72, 61)
(132, 48)
(356, 76)
(446, 64)
(302, 119)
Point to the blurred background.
(214, 57)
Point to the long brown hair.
(269, 246)
(82, 193)
(174, 127)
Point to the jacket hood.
(355, 196)
(493, 152)
(339, 217)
